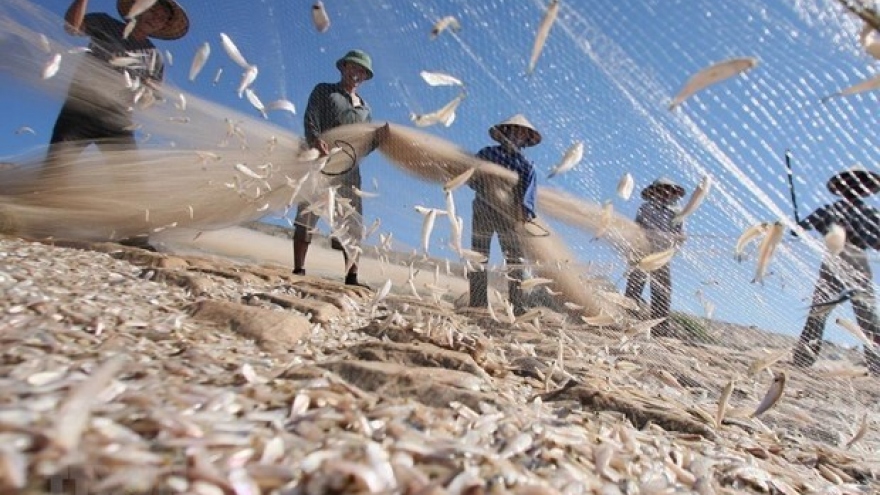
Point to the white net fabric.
(606, 77)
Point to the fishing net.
(607, 76)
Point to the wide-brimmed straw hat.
(660, 184)
(175, 28)
(857, 180)
(359, 57)
(499, 131)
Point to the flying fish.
(572, 157)
(543, 32)
(712, 75)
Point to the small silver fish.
(448, 22)
(445, 115)
(767, 248)
(199, 60)
(129, 28)
(870, 41)
(139, 7)
(543, 31)
(319, 17)
(573, 155)
(655, 261)
(866, 85)
(233, 51)
(712, 75)
(25, 129)
(282, 104)
(247, 78)
(440, 79)
(255, 102)
(427, 227)
(217, 76)
(722, 402)
(860, 433)
(457, 181)
(774, 393)
(748, 236)
(52, 66)
(696, 199)
(625, 186)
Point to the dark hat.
(175, 28)
(359, 57)
(501, 130)
(857, 180)
(662, 183)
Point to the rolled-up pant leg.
(827, 287)
(482, 230)
(635, 284)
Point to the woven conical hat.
(498, 131)
(175, 28)
(856, 179)
(663, 183)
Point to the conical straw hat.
(499, 131)
(662, 183)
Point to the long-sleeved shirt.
(526, 187)
(331, 106)
(656, 219)
(860, 222)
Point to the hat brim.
(860, 182)
(175, 28)
(501, 131)
(654, 189)
(354, 61)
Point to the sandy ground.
(244, 244)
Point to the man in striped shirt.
(848, 271)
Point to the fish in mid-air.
(449, 22)
(319, 17)
(712, 75)
(573, 155)
(867, 85)
(543, 32)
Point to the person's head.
(165, 20)
(354, 68)
(854, 183)
(663, 191)
(516, 132)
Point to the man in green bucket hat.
(332, 105)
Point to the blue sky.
(605, 77)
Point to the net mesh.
(606, 76)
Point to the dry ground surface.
(190, 371)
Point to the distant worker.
(850, 272)
(504, 210)
(332, 105)
(656, 216)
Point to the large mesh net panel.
(743, 114)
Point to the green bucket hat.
(359, 57)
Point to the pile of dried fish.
(118, 379)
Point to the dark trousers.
(661, 289)
(846, 272)
(487, 222)
(75, 129)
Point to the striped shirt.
(656, 219)
(860, 222)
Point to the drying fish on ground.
(319, 17)
(774, 393)
(860, 433)
(722, 402)
(748, 236)
(712, 75)
(233, 52)
(445, 115)
(625, 186)
(543, 31)
(449, 22)
(870, 84)
(199, 60)
(696, 199)
(440, 79)
(767, 248)
(573, 155)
